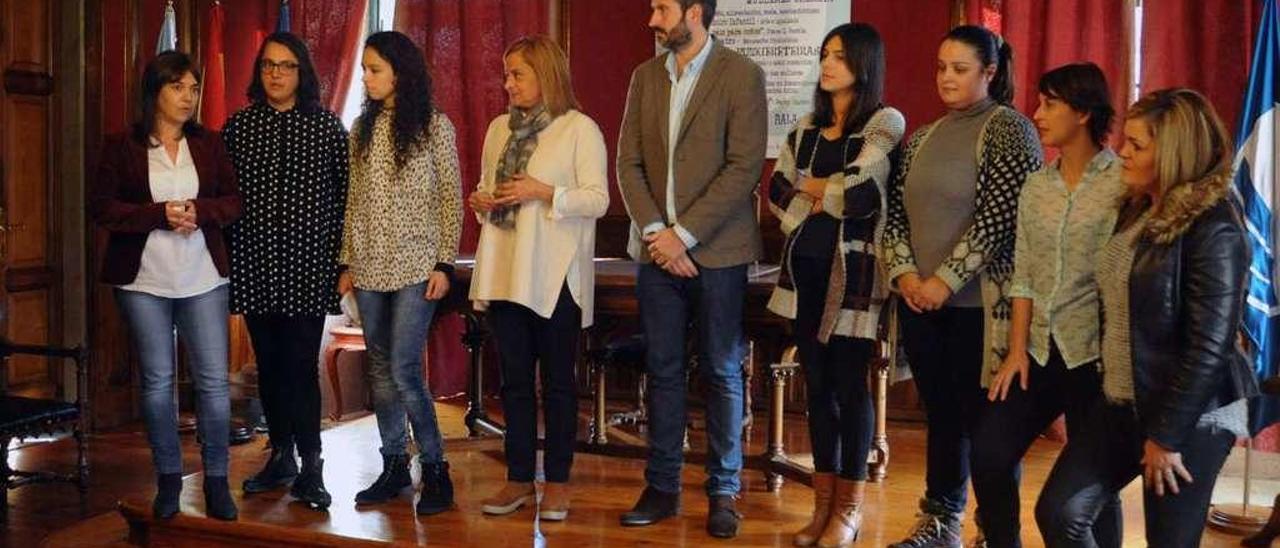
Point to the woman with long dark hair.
(164, 191)
(948, 249)
(399, 241)
(291, 157)
(828, 189)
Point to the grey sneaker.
(934, 528)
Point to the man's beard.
(676, 38)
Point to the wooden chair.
(23, 417)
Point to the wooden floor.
(604, 487)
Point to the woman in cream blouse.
(541, 190)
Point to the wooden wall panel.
(31, 281)
(28, 324)
(27, 180)
(29, 33)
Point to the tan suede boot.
(512, 496)
(846, 514)
(554, 505)
(824, 490)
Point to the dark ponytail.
(991, 50)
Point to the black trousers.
(529, 344)
(835, 374)
(1106, 456)
(945, 349)
(1006, 430)
(287, 350)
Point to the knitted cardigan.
(1008, 149)
(856, 290)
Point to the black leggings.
(945, 350)
(1006, 430)
(1106, 456)
(835, 373)
(287, 349)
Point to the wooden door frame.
(69, 321)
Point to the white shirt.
(682, 86)
(174, 265)
(551, 245)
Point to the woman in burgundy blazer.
(165, 191)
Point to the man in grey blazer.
(690, 156)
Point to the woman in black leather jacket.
(1173, 281)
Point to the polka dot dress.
(292, 171)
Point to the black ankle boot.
(217, 499)
(168, 495)
(394, 477)
(278, 472)
(437, 489)
(309, 487)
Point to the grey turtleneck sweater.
(940, 190)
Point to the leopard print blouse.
(402, 222)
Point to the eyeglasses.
(287, 67)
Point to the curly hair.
(413, 109)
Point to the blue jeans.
(201, 322)
(395, 332)
(714, 299)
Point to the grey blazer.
(719, 157)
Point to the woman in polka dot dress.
(291, 156)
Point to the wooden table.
(615, 298)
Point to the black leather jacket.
(1186, 298)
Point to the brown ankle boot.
(513, 495)
(824, 490)
(846, 514)
(554, 505)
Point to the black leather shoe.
(168, 494)
(723, 516)
(437, 489)
(309, 487)
(653, 506)
(394, 477)
(279, 471)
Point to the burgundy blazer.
(120, 201)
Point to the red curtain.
(332, 29)
(246, 23)
(213, 99)
(1046, 34)
(1201, 44)
(464, 52)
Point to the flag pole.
(1243, 518)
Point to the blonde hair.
(1192, 146)
(550, 67)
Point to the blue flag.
(1258, 196)
(283, 23)
(168, 39)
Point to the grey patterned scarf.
(525, 126)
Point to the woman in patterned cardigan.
(948, 250)
(828, 190)
(399, 241)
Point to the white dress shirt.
(174, 265)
